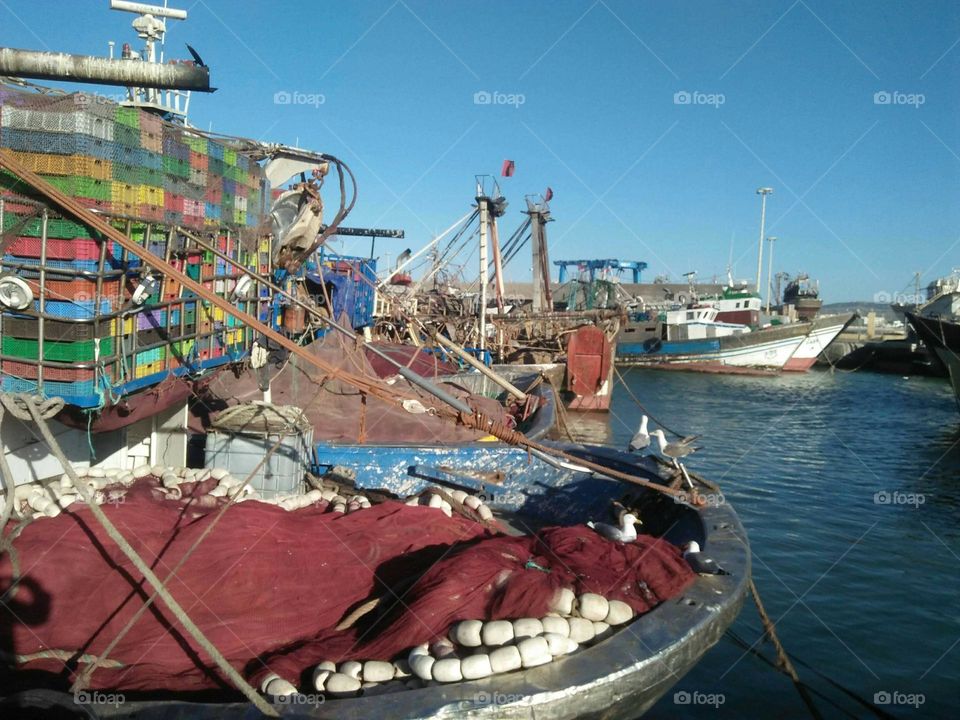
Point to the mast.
(483, 202)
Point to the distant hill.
(883, 310)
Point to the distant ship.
(804, 295)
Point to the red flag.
(508, 168)
(548, 196)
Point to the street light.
(762, 192)
(770, 240)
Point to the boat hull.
(616, 679)
(943, 337)
(767, 349)
(824, 332)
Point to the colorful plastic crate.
(80, 351)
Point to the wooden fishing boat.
(620, 676)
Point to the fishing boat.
(942, 335)
(824, 331)
(618, 676)
(691, 338)
(804, 295)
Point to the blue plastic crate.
(82, 393)
(74, 309)
(148, 159)
(38, 141)
(91, 266)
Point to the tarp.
(268, 587)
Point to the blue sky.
(782, 94)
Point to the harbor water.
(849, 487)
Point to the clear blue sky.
(865, 193)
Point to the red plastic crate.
(29, 371)
(77, 289)
(150, 212)
(76, 249)
(198, 161)
(173, 202)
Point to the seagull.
(625, 533)
(700, 563)
(642, 439)
(675, 450)
(196, 56)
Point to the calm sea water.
(866, 591)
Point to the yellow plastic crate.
(68, 165)
(149, 195)
(122, 193)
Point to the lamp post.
(770, 240)
(762, 192)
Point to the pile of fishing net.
(270, 587)
(337, 410)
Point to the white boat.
(825, 329)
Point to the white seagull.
(625, 533)
(642, 439)
(675, 450)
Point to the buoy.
(422, 666)
(377, 671)
(485, 513)
(442, 648)
(401, 668)
(472, 502)
(96, 472)
(447, 670)
(497, 632)
(600, 629)
(435, 500)
(559, 644)
(278, 687)
(581, 630)
(351, 668)
(556, 625)
(505, 659)
(320, 674)
(618, 613)
(476, 666)
(458, 495)
(219, 473)
(157, 470)
(592, 606)
(534, 651)
(219, 491)
(340, 684)
(170, 479)
(142, 471)
(467, 633)
(562, 601)
(527, 627)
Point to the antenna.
(151, 27)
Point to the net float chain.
(496, 646)
(429, 499)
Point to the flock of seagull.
(626, 532)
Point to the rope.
(635, 399)
(35, 410)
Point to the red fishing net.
(268, 587)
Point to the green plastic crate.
(56, 227)
(127, 117)
(175, 166)
(81, 351)
(197, 144)
(79, 186)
